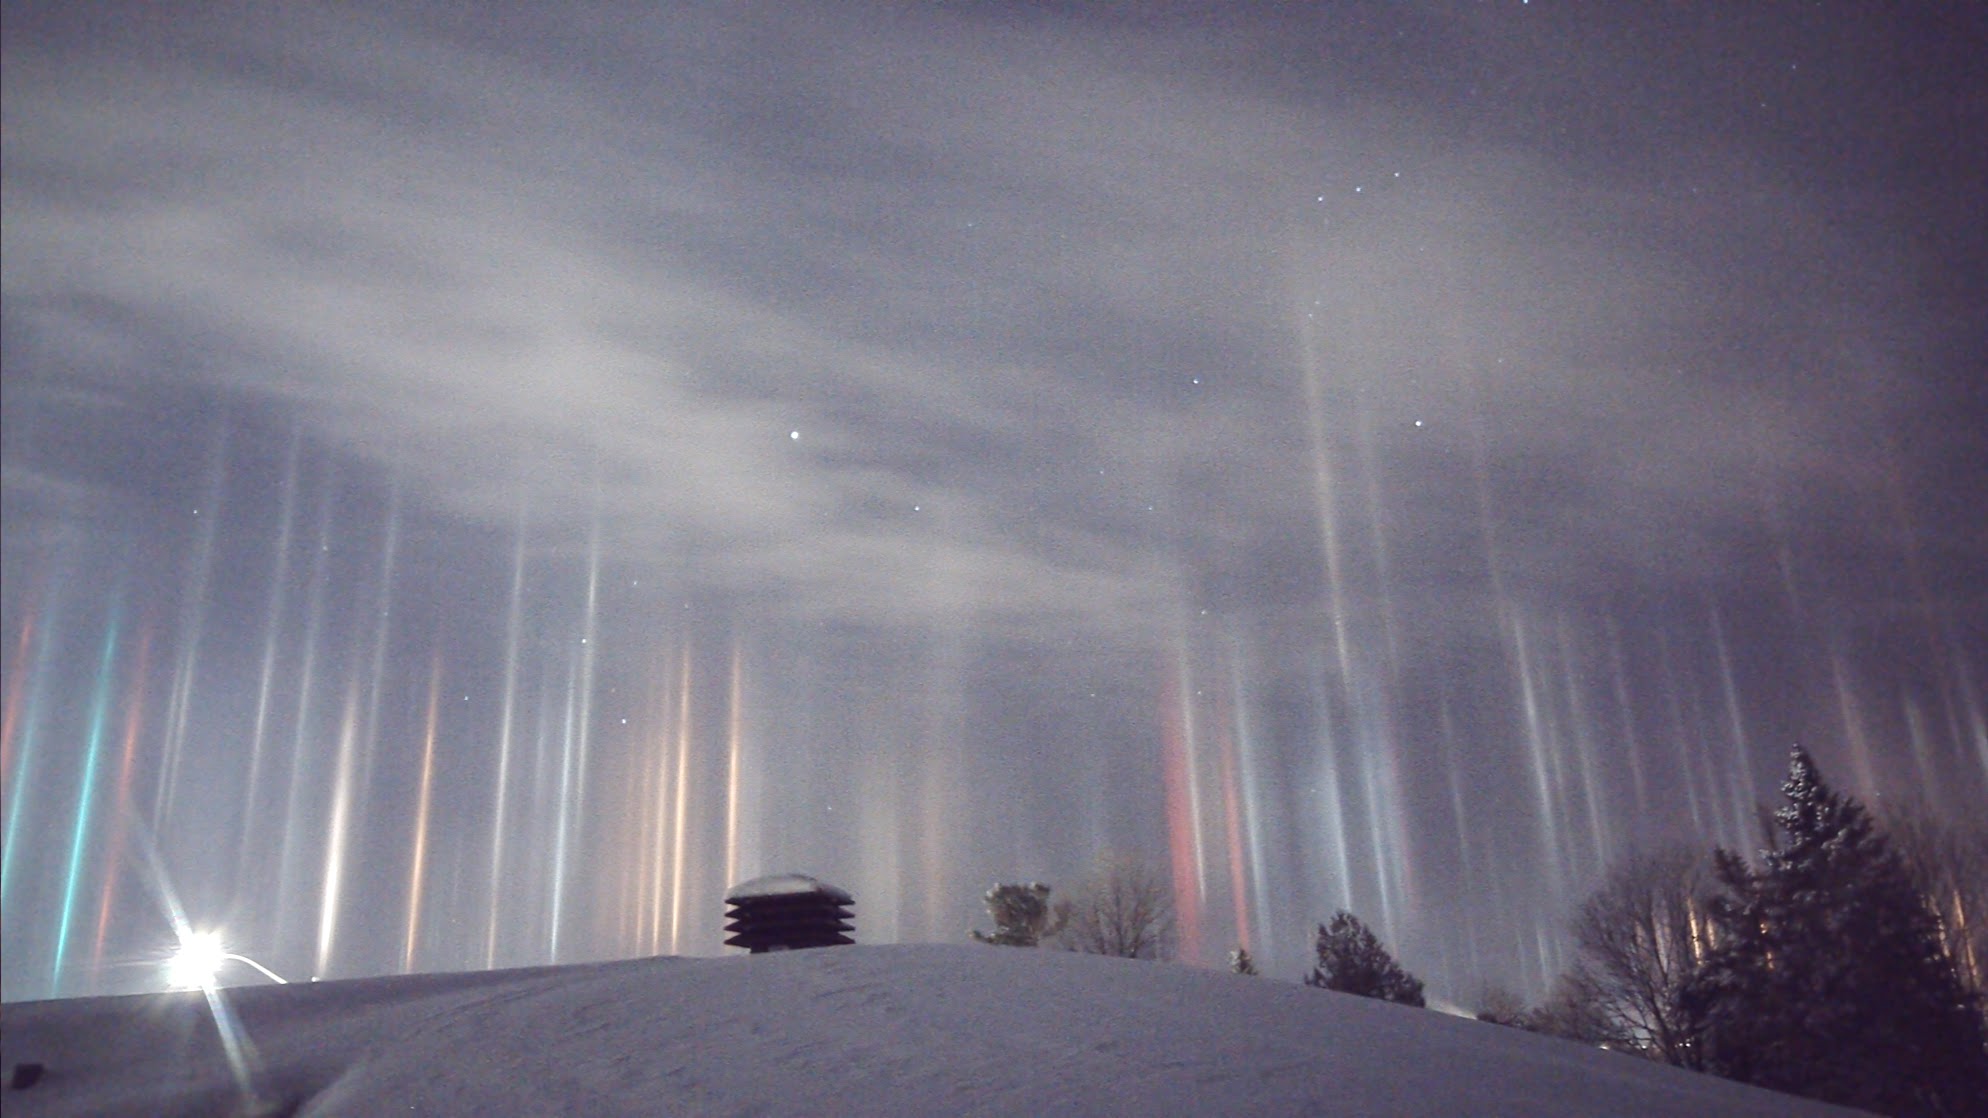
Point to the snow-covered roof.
(787, 885)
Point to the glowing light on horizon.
(197, 961)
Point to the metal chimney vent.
(787, 912)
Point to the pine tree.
(1827, 977)
(1022, 916)
(1241, 963)
(1352, 961)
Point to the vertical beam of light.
(506, 722)
(583, 733)
(1331, 793)
(637, 846)
(659, 815)
(884, 840)
(1960, 702)
(679, 843)
(10, 706)
(563, 808)
(1639, 781)
(632, 888)
(1739, 783)
(86, 796)
(1920, 739)
(1375, 795)
(338, 829)
(291, 876)
(1465, 844)
(272, 622)
(423, 798)
(1976, 712)
(1504, 609)
(942, 724)
(1183, 839)
(23, 715)
(1852, 716)
(1377, 528)
(1938, 635)
(376, 667)
(1225, 756)
(1394, 859)
(122, 808)
(1680, 735)
(1502, 605)
(538, 856)
(1538, 748)
(1325, 495)
(1784, 552)
(537, 816)
(194, 580)
(734, 746)
(1581, 735)
(1252, 804)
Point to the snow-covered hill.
(925, 1030)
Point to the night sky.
(481, 479)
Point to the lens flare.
(197, 963)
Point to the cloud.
(1042, 300)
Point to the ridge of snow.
(879, 1030)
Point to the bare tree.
(1125, 908)
(1948, 861)
(1500, 1005)
(1571, 1013)
(1640, 936)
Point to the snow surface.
(787, 885)
(903, 1030)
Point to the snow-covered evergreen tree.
(1352, 961)
(1022, 916)
(1827, 977)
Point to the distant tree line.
(1847, 966)
(1123, 908)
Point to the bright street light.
(199, 960)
